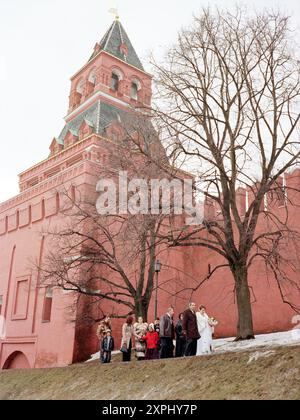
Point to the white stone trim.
(97, 95)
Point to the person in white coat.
(205, 326)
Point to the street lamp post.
(157, 269)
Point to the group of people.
(193, 334)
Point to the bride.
(205, 327)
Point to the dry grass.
(270, 375)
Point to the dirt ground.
(261, 374)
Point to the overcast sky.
(44, 42)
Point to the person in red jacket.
(151, 339)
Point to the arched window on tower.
(135, 88)
(134, 91)
(92, 77)
(91, 83)
(79, 88)
(78, 93)
(114, 82)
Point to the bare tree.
(229, 108)
(110, 257)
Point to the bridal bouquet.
(213, 321)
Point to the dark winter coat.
(189, 325)
(179, 330)
(108, 345)
(166, 327)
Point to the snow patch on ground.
(287, 338)
(96, 356)
(259, 355)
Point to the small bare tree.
(229, 109)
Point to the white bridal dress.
(204, 344)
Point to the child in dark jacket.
(151, 339)
(108, 346)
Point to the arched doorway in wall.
(16, 360)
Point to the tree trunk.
(141, 309)
(245, 320)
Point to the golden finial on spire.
(114, 11)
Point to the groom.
(190, 330)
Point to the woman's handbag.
(124, 349)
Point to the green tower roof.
(114, 38)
